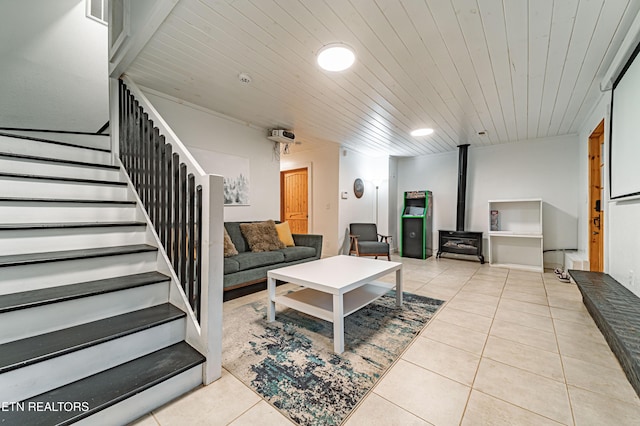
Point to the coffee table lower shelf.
(320, 305)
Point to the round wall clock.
(358, 187)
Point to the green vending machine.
(416, 227)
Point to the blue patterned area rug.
(291, 364)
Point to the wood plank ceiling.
(516, 69)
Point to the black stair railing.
(168, 192)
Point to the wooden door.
(596, 197)
(294, 203)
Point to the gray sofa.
(248, 267)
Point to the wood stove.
(461, 241)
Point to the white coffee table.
(334, 288)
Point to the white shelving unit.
(517, 243)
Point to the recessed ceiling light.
(336, 57)
(421, 132)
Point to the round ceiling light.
(421, 132)
(336, 57)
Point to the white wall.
(322, 159)
(200, 128)
(542, 168)
(371, 170)
(53, 67)
(622, 233)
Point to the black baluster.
(153, 141)
(125, 126)
(176, 212)
(161, 227)
(191, 235)
(168, 198)
(127, 118)
(131, 122)
(158, 143)
(127, 135)
(121, 114)
(183, 225)
(198, 252)
(143, 166)
(136, 148)
(147, 166)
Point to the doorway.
(596, 197)
(294, 199)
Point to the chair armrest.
(309, 240)
(385, 238)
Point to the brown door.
(596, 193)
(294, 203)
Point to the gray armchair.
(365, 241)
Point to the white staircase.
(85, 320)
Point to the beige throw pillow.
(284, 233)
(261, 236)
(229, 247)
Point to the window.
(98, 10)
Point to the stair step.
(63, 200)
(63, 179)
(69, 225)
(81, 138)
(51, 141)
(34, 258)
(107, 388)
(57, 161)
(24, 352)
(24, 209)
(30, 299)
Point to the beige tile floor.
(508, 348)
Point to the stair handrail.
(158, 170)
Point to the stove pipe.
(462, 185)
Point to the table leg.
(338, 324)
(271, 306)
(399, 287)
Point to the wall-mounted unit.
(515, 234)
(281, 136)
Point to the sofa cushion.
(233, 229)
(251, 260)
(229, 247)
(230, 266)
(261, 236)
(297, 253)
(373, 247)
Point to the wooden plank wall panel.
(344, 106)
(447, 22)
(426, 76)
(280, 93)
(516, 69)
(540, 13)
(474, 36)
(381, 62)
(495, 31)
(458, 100)
(586, 19)
(517, 25)
(562, 21)
(592, 68)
